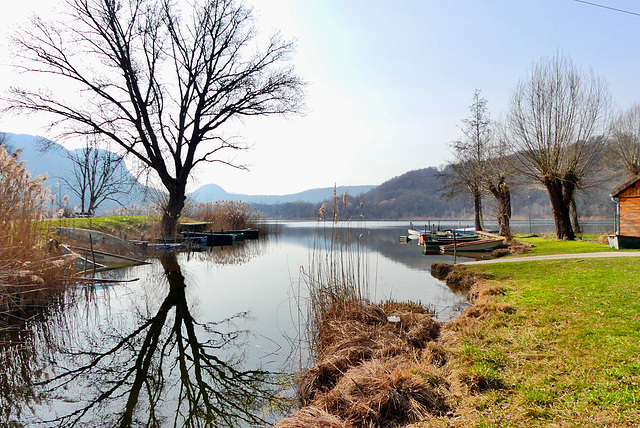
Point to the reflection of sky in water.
(270, 286)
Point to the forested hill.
(410, 195)
(416, 194)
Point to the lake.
(201, 337)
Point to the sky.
(389, 82)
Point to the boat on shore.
(438, 240)
(478, 245)
(90, 236)
(90, 259)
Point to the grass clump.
(127, 227)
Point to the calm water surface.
(198, 337)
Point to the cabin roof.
(630, 183)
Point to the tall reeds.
(26, 269)
(375, 364)
(337, 277)
(226, 215)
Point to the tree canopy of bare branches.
(470, 154)
(97, 176)
(157, 81)
(625, 140)
(556, 116)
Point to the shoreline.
(389, 364)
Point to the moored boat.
(478, 245)
(438, 240)
(415, 232)
(100, 260)
(213, 239)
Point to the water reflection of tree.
(239, 253)
(162, 373)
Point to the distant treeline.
(416, 194)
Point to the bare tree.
(158, 83)
(553, 118)
(498, 171)
(470, 154)
(98, 176)
(625, 140)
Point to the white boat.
(479, 245)
(465, 231)
(418, 232)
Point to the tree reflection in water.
(169, 371)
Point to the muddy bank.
(393, 364)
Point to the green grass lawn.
(567, 350)
(130, 226)
(546, 246)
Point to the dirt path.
(603, 254)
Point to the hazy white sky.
(390, 81)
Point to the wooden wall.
(629, 206)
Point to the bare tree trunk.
(503, 196)
(477, 208)
(574, 215)
(560, 209)
(172, 210)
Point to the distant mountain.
(410, 195)
(213, 193)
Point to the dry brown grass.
(27, 272)
(378, 365)
(226, 215)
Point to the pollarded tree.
(159, 83)
(498, 172)
(554, 119)
(625, 140)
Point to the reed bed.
(377, 365)
(227, 215)
(28, 272)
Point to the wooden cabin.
(627, 197)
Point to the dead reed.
(27, 271)
(227, 215)
(377, 365)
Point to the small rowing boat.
(100, 260)
(478, 245)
